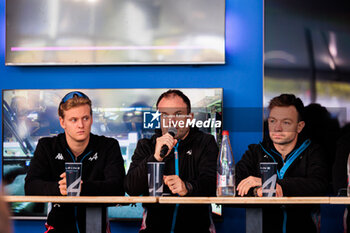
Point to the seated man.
(102, 171)
(195, 176)
(302, 170)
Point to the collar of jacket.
(270, 150)
(267, 144)
(91, 147)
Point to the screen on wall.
(99, 32)
(124, 114)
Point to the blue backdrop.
(241, 77)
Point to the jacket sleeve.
(205, 183)
(315, 183)
(247, 166)
(38, 180)
(113, 174)
(136, 182)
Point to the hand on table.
(63, 184)
(176, 185)
(248, 183)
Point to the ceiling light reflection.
(333, 44)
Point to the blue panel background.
(241, 78)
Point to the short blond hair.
(72, 103)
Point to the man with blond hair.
(102, 164)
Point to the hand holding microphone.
(165, 144)
(165, 148)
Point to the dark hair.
(286, 100)
(71, 100)
(172, 93)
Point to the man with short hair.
(102, 164)
(301, 166)
(195, 176)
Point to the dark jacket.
(197, 167)
(305, 176)
(102, 175)
(340, 171)
(340, 176)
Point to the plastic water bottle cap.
(225, 132)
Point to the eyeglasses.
(71, 95)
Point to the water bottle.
(348, 187)
(225, 169)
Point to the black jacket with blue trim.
(306, 175)
(197, 168)
(102, 175)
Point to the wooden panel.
(245, 200)
(180, 200)
(81, 199)
(339, 200)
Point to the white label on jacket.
(59, 156)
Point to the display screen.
(99, 32)
(28, 115)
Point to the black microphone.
(172, 131)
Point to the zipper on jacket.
(278, 155)
(295, 154)
(75, 207)
(267, 153)
(74, 158)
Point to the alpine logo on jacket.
(95, 157)
(189, 152)
(59, 156)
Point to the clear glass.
(226, 169)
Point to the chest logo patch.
(95, 157)
(59, 156)
(189, 152)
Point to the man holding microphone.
(191, 173)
